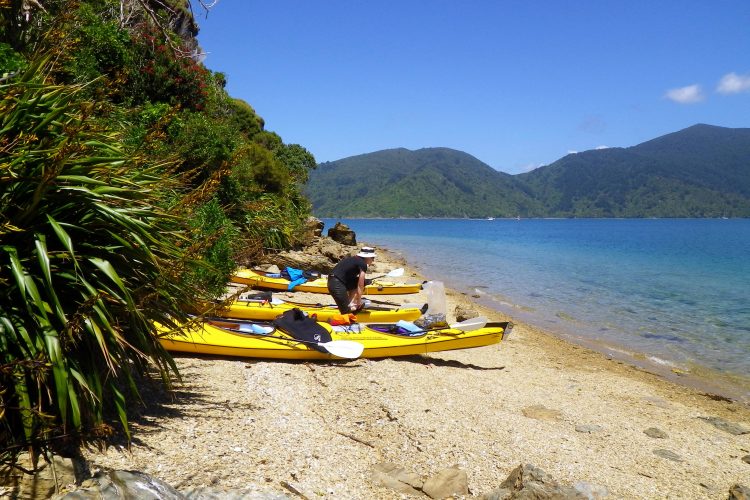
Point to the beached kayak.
(258, 340)
(261, 280)
(268, 309)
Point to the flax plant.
(87, 265)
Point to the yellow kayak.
(228, 338)
(261, 280)
(270, 309)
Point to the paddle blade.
(344, 348)
(396, 273)
(470, 324)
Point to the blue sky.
(517, 84)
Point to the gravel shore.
(318, 429)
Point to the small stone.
(588, 428)
(669, 455)
(725, 426)
(540, 412)
(655, 433)
(739, 492)
(746, 459)
(660, 402)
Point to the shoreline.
(693, 375)
(714, 383)
(532, 399)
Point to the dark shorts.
(339, 293)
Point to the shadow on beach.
(424, 360)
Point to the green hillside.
(701, 171)
(432, 182)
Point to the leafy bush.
(218, 241)
(10, 60)
(87, 265)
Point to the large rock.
(529, 482)
(123, 485)
(739, 492)
(396, 478)
(343, 234)
(313, 229)
(321, 256)
(446, 483)
(52, 475)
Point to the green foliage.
(202, 144)
(159, 76)
(244, 117)
(219, 242)
(100, 47)
(87, 266)
(298, 161)
(10, 60)
(257, 166)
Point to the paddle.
(471, 324)
(465, 326)
(348, 349)
(393, 274)
(342, 348)
(275, 301)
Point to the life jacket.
(298, 325)
(342, 319)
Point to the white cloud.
(732, 83)
(686, 95)
(602, 147)
(571, 152)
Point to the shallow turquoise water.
(676, 290)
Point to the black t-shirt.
(348, 271)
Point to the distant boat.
(490, 218)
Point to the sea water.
(675, 292)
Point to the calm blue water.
(677, 290)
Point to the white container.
(435, 294)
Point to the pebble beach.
(271, 429)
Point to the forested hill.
(431, 182)
(701, 171)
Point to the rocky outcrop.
(342, 234)
(321, 255)
(314, 227)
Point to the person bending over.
(346, 283)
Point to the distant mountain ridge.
(701, 171)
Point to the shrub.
(87, 265)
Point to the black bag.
(302, 327)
